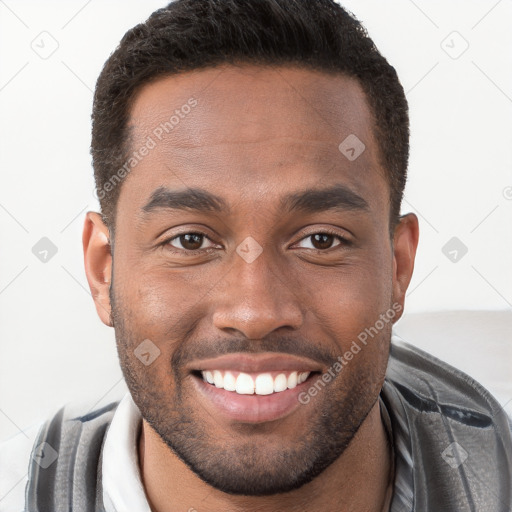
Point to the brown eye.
(191, 241)
(188, 241)
(322, 241)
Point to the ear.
(98, 263)
(405, 242)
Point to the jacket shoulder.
(66, 458)
(415, 372)
(48, 454)
(458, 434)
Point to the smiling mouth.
(261, 383)
(251, 397)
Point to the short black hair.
(196, 34)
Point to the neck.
(360, 479)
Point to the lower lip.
(250, 408)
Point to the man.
(250, 160)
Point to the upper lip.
(256, 363)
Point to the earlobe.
(405, 242)
(98, 263)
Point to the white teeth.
(229, 382)
(264, 384)
(280, 382)
(218, 379)
(244, 384)
(302, 377)
(292, 380)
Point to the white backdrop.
(454, 60)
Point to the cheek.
(353, 308)
(163, 304)
(351, 299)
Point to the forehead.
(251, 130)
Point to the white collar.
(122, 485)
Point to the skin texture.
(255, 135)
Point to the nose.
(257, 299)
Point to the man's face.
(193, 281)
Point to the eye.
(188, 241)
(323, 241)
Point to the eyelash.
(166, 243)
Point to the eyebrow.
(337, 197)
(188, 199)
